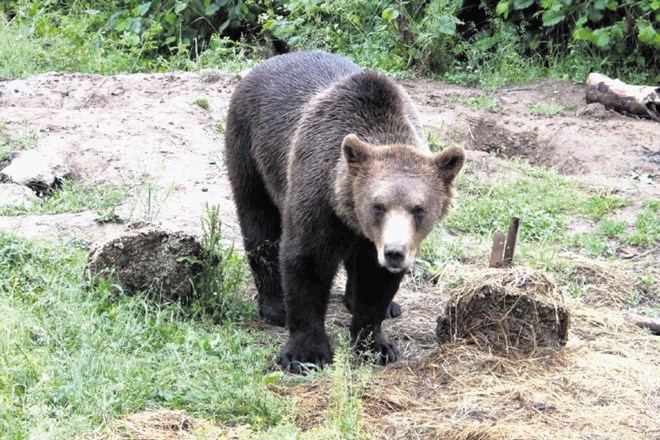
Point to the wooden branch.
(511, 241)
(498, 249)
(636, 100)
(641, 321)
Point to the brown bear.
(328, 165)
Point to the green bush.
(378, 33)
(620, 33)
(156, 27)
(474, 42)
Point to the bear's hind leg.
(260, 225)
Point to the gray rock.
(150, 259)
(36, 170)
(13, 195)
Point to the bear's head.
(398, 194)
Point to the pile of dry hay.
(512, 311)
(604, 384)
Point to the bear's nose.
(394, 254)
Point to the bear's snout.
(395, 243)
(394, 256)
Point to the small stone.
(36, 170)
(13, 195)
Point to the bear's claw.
(388, 353)
(304, 354)
(394, 310)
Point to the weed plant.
(218, 288)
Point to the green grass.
(543, 199)
(546, 203)
(74, 196)
(202, 103)
(74, 41)
(547, 109)
(71, 359)
(486, 101)
(647, 225)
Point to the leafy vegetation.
(486, 43)
(623, 30)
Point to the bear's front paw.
(378, 348)
(385, 352)
(304, 352)
(394, 310)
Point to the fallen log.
(653, 325)
(614, 94)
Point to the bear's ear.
(449, 162)
(354, 150)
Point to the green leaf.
(617, 31)
(132, 39)
(646, 33)
(446, 25)
(211, 9)
(502, 9)
(269, 24)
(612, 5)
(143, 8)
(390, 14)
(583, 33)
(273, 376)
(601, 37)
(180, 6)
(600, 4)
(522, 4)
(224, 25)
(123, 24)
(551, 18)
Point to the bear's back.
(268, 105)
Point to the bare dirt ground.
(145, 129)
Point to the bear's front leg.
(374, 290)
(306, 280)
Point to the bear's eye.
(378, 210)
(418, 212)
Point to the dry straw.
(513, 311)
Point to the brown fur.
(320, 155)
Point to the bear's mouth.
(394, 269)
